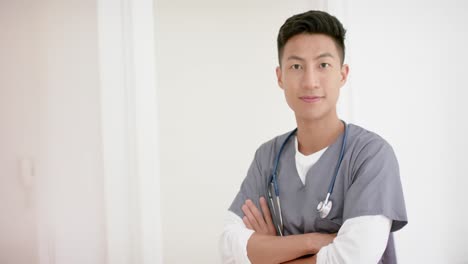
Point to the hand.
(254, 220)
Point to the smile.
(311, 99)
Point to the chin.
(312, 116)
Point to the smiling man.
(326, 192)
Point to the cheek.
(288, 94)
(333, 83)
(333, 89)
(289, 98)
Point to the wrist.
(311, 243)
(315, 241)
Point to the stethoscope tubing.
(340, 159)
(275, 169)
(273, 180)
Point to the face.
(311, 76)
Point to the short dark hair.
(312, 22)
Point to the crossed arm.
(265, 247)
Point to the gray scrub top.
(368, 183)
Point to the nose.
(310, 79)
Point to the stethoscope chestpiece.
(324, 208)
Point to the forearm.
(275, 249)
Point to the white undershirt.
(304, 163)
(361, 239)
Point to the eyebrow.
(294, 57)
(323, 55)
(326, 54)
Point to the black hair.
(312, 22)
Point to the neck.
(314, 135)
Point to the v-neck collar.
(290, 158)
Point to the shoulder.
(268, 149)
(366, 141)
(369, 150)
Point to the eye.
(324, 65)
(296, 66)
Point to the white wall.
(18, 130)
(70, 162)
(407, 75)
(78, 100)
(49, 100)
(219, 101)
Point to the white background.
(218, 101)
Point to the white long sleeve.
(360, 240)
(233, 241)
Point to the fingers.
(254, 217)
(257, 214)
(260, 222)
(267, 216)
(247, 223)
(250, 217)
(265, 210)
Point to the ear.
(279, 77)
(344, 74)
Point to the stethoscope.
(323, 208)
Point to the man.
(352, 171)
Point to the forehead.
(309, 46)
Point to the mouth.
(311, 99)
